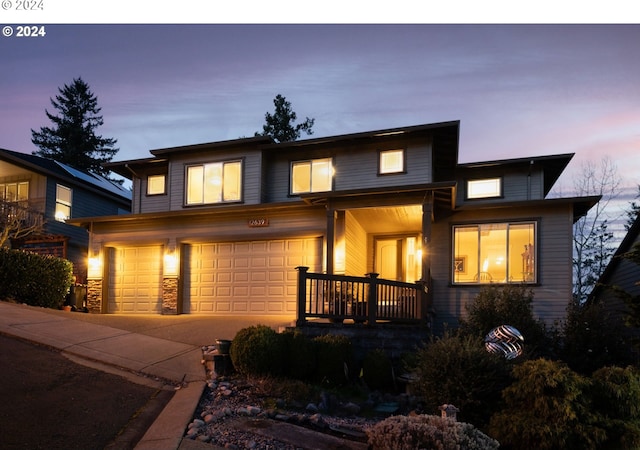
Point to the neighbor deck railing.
(367, 299)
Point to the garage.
(135, 284)
(248, 277)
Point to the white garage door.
(135, 285)
(254, 277)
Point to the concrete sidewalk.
(166, 347)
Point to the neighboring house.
(220, 228)
(58, 193)
(623, 274)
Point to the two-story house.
(220, 228)
(57, 193)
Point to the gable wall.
(551, 295)
(355, 166)
(517, 185)
(174, 200)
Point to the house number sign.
(261, 222)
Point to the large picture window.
(311, 176)
(495, 253)
(214, 183)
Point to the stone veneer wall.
(169, 296)
(94, 296)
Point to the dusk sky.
(518, 90)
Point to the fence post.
(301, 317)
(372, 300)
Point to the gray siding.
(251, 185)
(553, 291)
(356, 167)
(516, 185)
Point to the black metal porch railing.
(367, 299)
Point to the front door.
(388, 260)
(398, 258)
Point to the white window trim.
(59, 201)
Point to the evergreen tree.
(280, 125)
(72, 139)
(633, 211)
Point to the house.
(56, 193)
(620, 274)
(220, 228)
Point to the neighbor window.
(485, 188)
(14, 192)
(156, 184)
(63, 203)
(311, 176)
(391, 161)
(495, 253)
(214, 183)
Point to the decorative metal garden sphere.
(505, 340)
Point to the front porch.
(342, 299)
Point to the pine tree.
(72, 139)
(280, 125)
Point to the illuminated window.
(311, 176)
(485, 188)
(14, 192)
(391, 161)
(156, 184)
(214, 183)
(495, 253)
(63, 203)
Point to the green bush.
(616, 400)
(335, 359)
(258, 350)
(592, 339)
(300, 356)
(547, 407)
(458, 370)
(507, 305)
(427, 432)
(34, 279)
(377, 370)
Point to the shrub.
(300, 355)
(377, 370)
(335, 359)
(428, 432)
(506, 305)
(458, 370)
(616, 400)
(258, 350)
(34, 279)
(547, 407)
(591, 339)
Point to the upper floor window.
(484, 188)
(63, 203)
(14, 192)
(311, 176)
(214, 183)
(495, 253)
(391, 161)
(156, 184)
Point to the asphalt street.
(51, 402)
